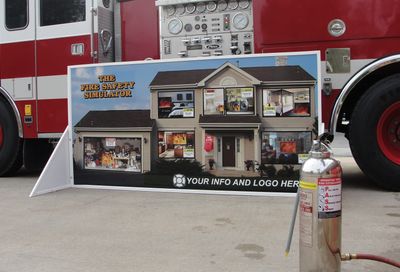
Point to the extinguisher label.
(306, 217)
(329, 197)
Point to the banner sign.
(221, 124)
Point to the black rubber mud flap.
(36, 153)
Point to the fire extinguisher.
(320, 197)
(319, 201)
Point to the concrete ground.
(103, 230)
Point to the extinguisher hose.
(292, 222)
(362, 256)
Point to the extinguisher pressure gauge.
(106, 3)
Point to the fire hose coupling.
(348, 256)
(362, 256)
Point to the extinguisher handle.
(326, 138)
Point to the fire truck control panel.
(205, 28)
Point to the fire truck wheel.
(374, 133)
(10, 143)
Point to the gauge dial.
(190, 8)
(222, 5)
(201, 7)
(170, 10)
(180, 9)
(211, 6)
(240, 20)
(175, 26)
(244, 4)
(106, 3)
(233, 4)
(188, 27)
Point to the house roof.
(126, 120)
(239, 121)
(264, 74)
(186, 77)
(228, 65)
(279, 73)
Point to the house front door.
(228, 152)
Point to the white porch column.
(203, 137)
(257, 145)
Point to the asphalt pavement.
(109, 230)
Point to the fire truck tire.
(374, 133)
(10, 145)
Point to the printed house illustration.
(118, 140)
(228, 116)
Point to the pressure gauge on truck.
(211, 6)
(170, 10)
(233, 4)
(240, 20)
(190, 8)
(201, 7)
(180, 9)
(222, 5)
(175, 26)
(244, 4)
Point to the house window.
(176, 144)
(55, 12)
(110, 153)
(173, 105)
(16, 14)
(228, 101)
(285, 147)
(289, 102)
(213, 101)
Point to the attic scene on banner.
(228, 127)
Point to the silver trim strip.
(15, 109)
(104, 129)
(49, 135)
(236, 126)
(348, 87)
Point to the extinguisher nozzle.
(293, 221)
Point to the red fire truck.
(359, 43)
